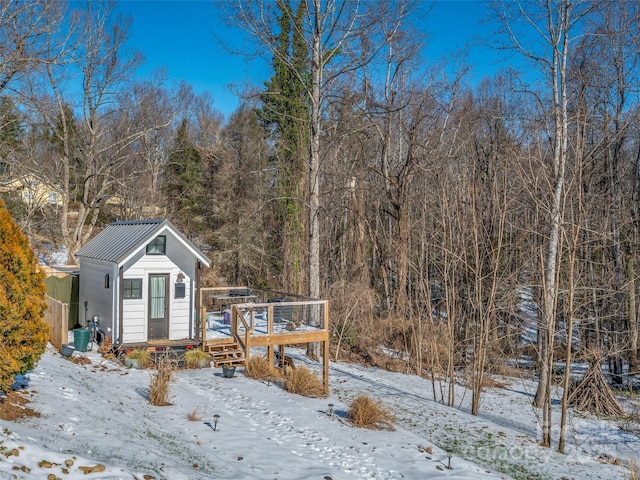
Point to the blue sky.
(179, 35)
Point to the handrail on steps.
(248, 330)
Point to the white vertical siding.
(104, 302)
(136, 311)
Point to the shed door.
(158, 306)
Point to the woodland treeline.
(436, 211)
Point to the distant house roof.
(120, 240)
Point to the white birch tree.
(542, 33)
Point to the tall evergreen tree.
(237, 203)
(23, 332)
(285, 110)
(183, 183)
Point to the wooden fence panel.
(56, 317)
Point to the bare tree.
(156, 108)
(552, 26)
(25, 29)
(93, 114)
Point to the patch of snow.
(48, 254)
(99, 414)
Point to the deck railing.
(235, 331)
(283, 311)
(264, 318)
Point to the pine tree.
(23, 332)
(183, 185)
(285, 110)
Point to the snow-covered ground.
(99, 414)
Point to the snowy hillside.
(98, 414)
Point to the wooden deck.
(159, 345)
(269, 323)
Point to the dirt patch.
(13, 407)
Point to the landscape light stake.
(449, 455)
(215, 422)
(330, 410)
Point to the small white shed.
(141, 280)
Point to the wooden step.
(237, 351)
(226, 358)
(230, 362)
(223, 347)
(226, 354)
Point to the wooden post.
(325, 350)
(325, 366)
(203, 322)
(270, 355)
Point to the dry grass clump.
(195, 358)
(140, 355)
(365, 412)
(303, 382)
(194, 416)
(161, 381)
(634, 470)
(259, 368)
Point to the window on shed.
(132, 288)
(157, 246)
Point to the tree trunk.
(558, 77)
(633, 321)
(313, 349)
(569, 330)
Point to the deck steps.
(228, 354)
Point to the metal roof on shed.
(120, 239)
